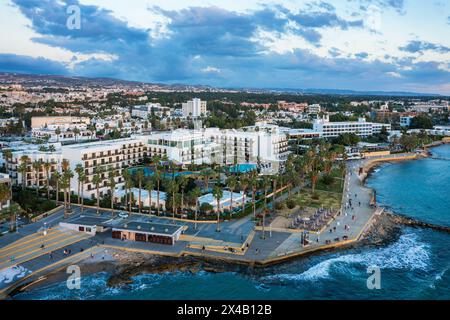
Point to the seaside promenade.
(28, 255)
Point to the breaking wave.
(407, 253)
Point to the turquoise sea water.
(416, 266)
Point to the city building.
(362, 128)
(147, 232)
(5, 180)
(194, 108)
(405, 121)
(144, 111)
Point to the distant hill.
(56, 80)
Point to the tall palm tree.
(65, 165)
(128, 187)
(23, 169)
(266, 186)
(196, 193)
(56, 177)
(172, 188)
(244, 182)
(218, 194)
(231, 184)
(96, 180)
(63, 183)
(156, 161)
(112, 187)
(182, 181)
(158, 185)
(4, 194)
(47, 167)
(76, 132)
(140, 177)
(80, 171)
(68, 175)
(149, 186)
(84, 179)
(37, 165)
(253, 181)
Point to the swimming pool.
(243, 168)
(149, 172)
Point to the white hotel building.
(194, 108)
(265, 145)
(327, 129)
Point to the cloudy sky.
(391, 45)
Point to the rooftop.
(146, 227)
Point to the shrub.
(279, 205)
(291, 203)
(327, 179)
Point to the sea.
(415, 266)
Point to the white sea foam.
(13, 273)
(407, 253)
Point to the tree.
(128, 185)
(96, 180)
(5, 194)
(196, 193)
(23, 169)
(149, 186)
(80, 172)
(68, 175)
(140, 177)
(182, 181)
(218, 194)
(232, 185)
(57, 132)
(37, 165)
(56, 178)
(172, 188)
(421, 122)
(112, 187)
(47, 167)
(76, 132)
(266, 186)
(243, 183)
(254, 184)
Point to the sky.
(365, 45)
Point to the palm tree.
(149, 186)
(76, 132)
(112, 188)
(47, 167)
(57, 132)
(96, 180)
(23, 169)
(4, 194)
(158, 182)
(140, 177)
(37, 165)
(156, 160)
(232, 184)
(266, 186)
(84, 179)
(196, 193)
(172, 188)
(56, 177)
(63, 183)
(264, 212)
(128, 186)
(67, 175)
(244, 182)
(218, 194)
(182, 181)
(253, 181)
(80, 171)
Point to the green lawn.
(325, 199)
(336, 184)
